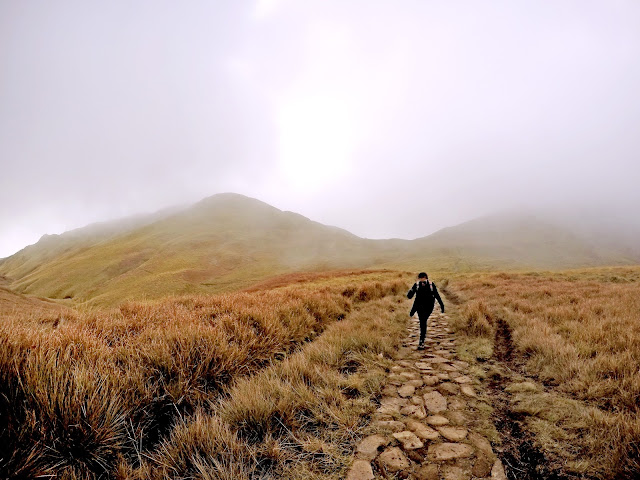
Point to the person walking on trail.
(426, 295)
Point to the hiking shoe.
(420, 346)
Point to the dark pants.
(423, 315)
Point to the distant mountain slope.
(230, 241)
(522, 240)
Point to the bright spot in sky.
(315, 141)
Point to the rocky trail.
(423, 429)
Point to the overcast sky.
(387, 118)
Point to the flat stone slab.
(463, 379)
(388, 410)
(454, 434)
(406, 391)
(417, 383)
(435, 402)
(393, 460)
(437, 359)
(360, 470)
(399, 402)
(422, 431)
(437, 420)
(431, 380)
(368, 447)
(448, 451)
(416, 411)
(468, 391)
(423, 365)
(409, 440)
(482, 444)
(448, 388)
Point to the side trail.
(423, 428)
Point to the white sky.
(389, 119)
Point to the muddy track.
(522, 460)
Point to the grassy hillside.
(563, 351)
(228, 242)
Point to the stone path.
(423, 423)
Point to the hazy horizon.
(387, 120)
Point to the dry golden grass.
(102, 393)
(577, 335)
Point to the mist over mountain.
(229, 241)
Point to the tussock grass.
(297, 419)
(97, 393)
(577, 334)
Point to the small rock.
(435, 402)
(448, 388)
(423, 366)
(360, 470)
(464, 379)
(449, 451)
(449, 368)
(497, 472)
(422, 431)
(437, 420)
(483, 445)
(454, 434)
(417, 401)
(431, 380)
(406, 391)
(416, 383)
(409, 440)
(427, 472)
(443, 376)
(468, 391)
(388, 410)
(416, 411)
(389, 390)
(393, 460)
(368, 447)
(400, 402)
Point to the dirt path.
(423, 428)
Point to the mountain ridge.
(230, 241)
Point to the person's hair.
(423, 275)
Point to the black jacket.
(426, 297)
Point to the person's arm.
(412, 292)
(436, 295)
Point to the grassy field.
(275, 382)
(571, 345)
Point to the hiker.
(426, 294)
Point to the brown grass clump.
(94, 393)
(297, 419)
(577, 334)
